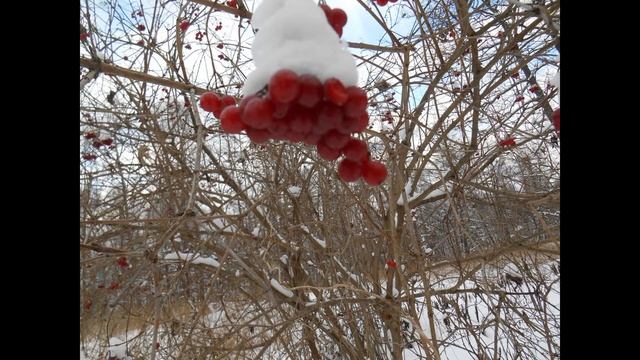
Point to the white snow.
(192, 258)
(295, 35)
(281, 289)
(555, 81)
(434, 193)
(256, 231)
(284, 259)
(294, 190)
(322, 243)
(351, 275)
(118, 347)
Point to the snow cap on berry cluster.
(295, 35)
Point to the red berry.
(279, 129)
(294, 137)
(280, 109)
(382, 2)
(258, 113)
(508, 142)
(519, 98)
(97, 144)
(258, 136)
(338, 31)
(140, 42)
(329, 117)
(87, 156)
(312, 139)
(349, 170)
(114, 285)
(88, 304)
(357, 102)
(122, 262)
(354, 124)
(310, 90)
(301, 121)
(284, 86)
(141, 27)
(374, 172)
(245, 100)
(338, 17)
(84, 36)
(335, 139)
(335, 92)
(184, 25)
(226, 101)
(393, 1)
(220, 46)
(107, 141)
(232, 3)
(534, 89)
(356, 150)
(392, 263)
(556, 119)
(230, 120)
(210, 102)
(326, 152)
(90, 135)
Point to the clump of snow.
(555, 81)
(281, 289)
(294, 190)
(192, 258)
(322, 243)
(434, 193)
(295, 35)
(118, 348)
(256, 231)
(284, 259)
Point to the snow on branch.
(192, 258)
(281, 289)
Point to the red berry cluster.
(384, 2)
(123, 263)
(184, 25)
(97, 143)
(88, 156)
(215, 104)
(392, 264)
(336, 17)
(556, 120)
(508, 142)
(300, 108)
(84, 36)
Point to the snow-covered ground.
(509, 311)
